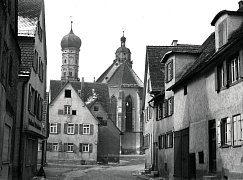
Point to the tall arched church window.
(129, 113)
(113, 109)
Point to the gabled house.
(158, 105)
(211, 108)
(73, 128)
(31, 87)
(108, 148)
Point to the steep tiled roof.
(154, 55)
(125, 76)
(26, 45)
(101, 90)
(28, 14)
(102, 77)
(209, 56)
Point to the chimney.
(240, 5)
(174, 43)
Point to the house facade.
(9, 61)
(31, 126)
(73, 128)
(159, 104)
(125, 89)
(205, 117)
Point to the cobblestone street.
(128, 168)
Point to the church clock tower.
(70, 56)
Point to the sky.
(99, 24)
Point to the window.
(222, 33)
(70, 129)
(35, 61)
(237, 130)
(69, 147)
(224, 132)
(228, 72)
(67, 93)
(70, 73)
(159, 111)
(169, 71)
(74, 112)
(170, 106)
(86, 128)
(96, 108)
(85, 147)
(169, 139)
(235, 69)
(67, 109)
(53, 128)
(55, 147)
(40, 146)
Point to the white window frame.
(86, 128)
(70, 147)
(55, 146)
(85, 147)
(222, 76)
(67, 109)
(53, 128)
(70, 128)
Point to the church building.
(125, 89)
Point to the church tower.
(123, 54)
(70, 56)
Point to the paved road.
(127, 169)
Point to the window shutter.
(76, 129)
(80, 147)
(241, 63)
(219, 132)
(238, 130)
(60, 147)
(225, 73)
(90, 148)
(241, 125)
(80, 128)
(172, 104)
(58, 128)
(166, 107)
(166, 73)
(171, 70)
(49, 146)
(60, 111)
(228, 73)
(75, 148)
(29, 98)
(216, 79)
(65, 128)
(228, 134)
(220, 31)
(65, 147)
(91, 129)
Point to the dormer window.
(222, 33)
(169, 71)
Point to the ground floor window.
(70, 147)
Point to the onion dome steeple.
(70, 56)
(71, 40)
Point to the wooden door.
(212, 146)
(6, 149)
(181, 153)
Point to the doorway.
(212, 146)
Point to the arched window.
(113, 108)
(129, 113)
